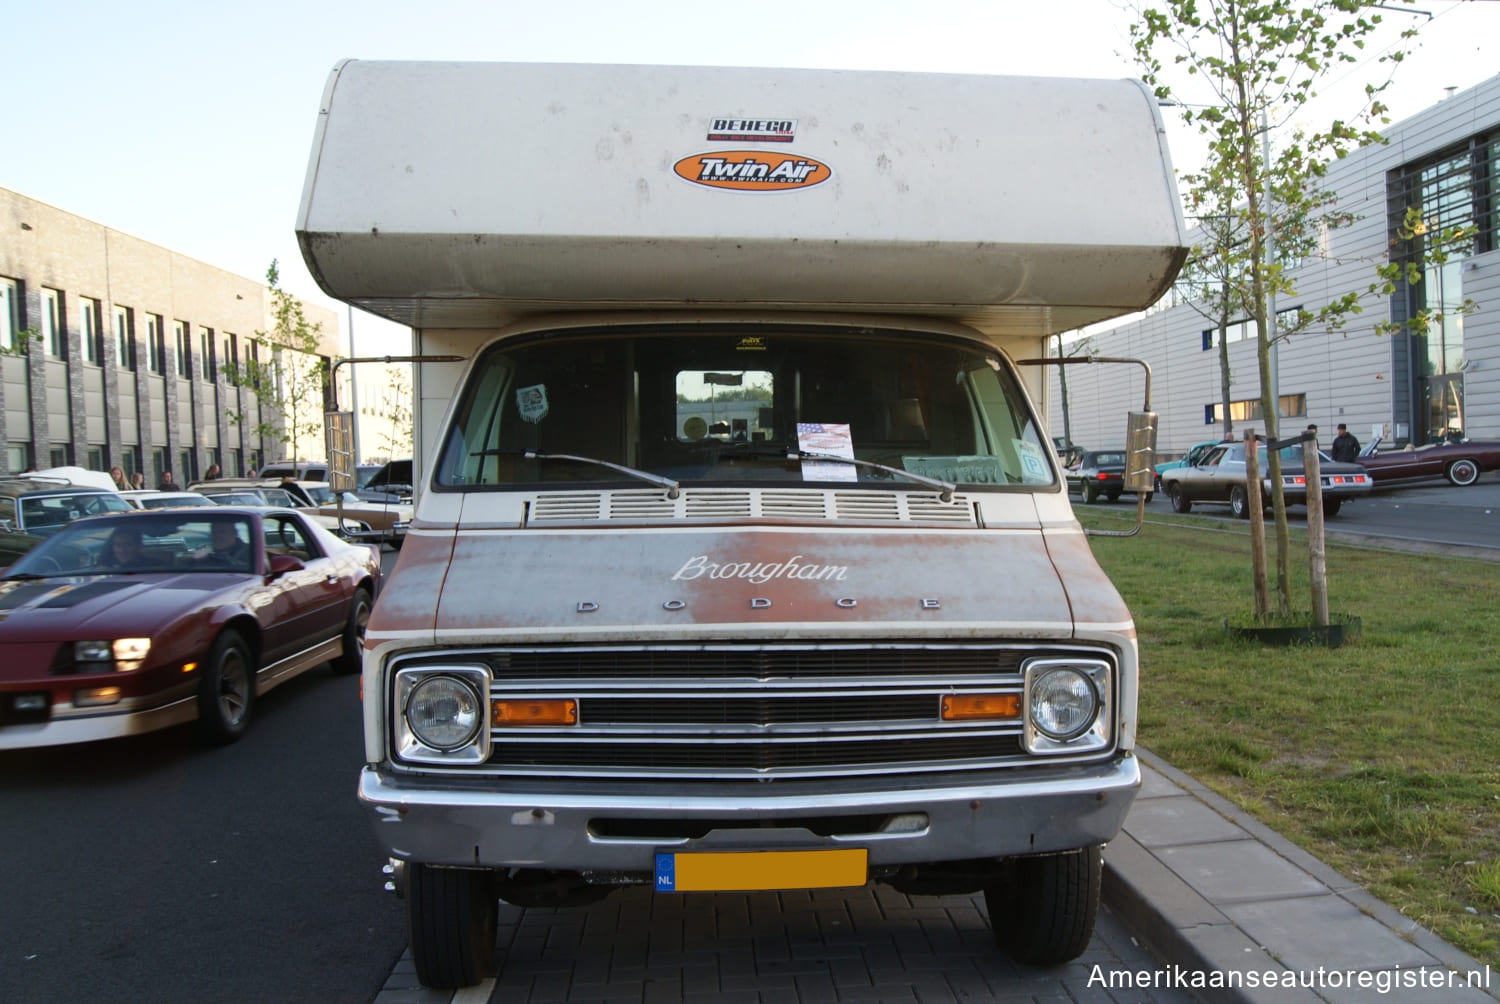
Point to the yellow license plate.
(750, 871)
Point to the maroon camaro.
(126, 623)
(1460, 462)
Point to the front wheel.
(351, 656)
(226, 690)
(1462, 472)
(1180, 501)
(1043, 914)
(451, 919)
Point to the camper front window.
(739, 406)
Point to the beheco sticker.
(752, 171)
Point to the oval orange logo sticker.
(752, 170)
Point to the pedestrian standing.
(1345, 447)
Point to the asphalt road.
(1428, 515)
(148, 869)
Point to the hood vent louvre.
(782, 505)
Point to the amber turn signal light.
(979, 707)
(549, 711)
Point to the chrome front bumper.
(1029, 811)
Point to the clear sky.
(188, 124)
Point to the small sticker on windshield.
(531, 402)
(1034, 468)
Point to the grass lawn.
(1382, 757)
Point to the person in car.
(123, 552)
(225, 548)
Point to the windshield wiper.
(947, 488)
(789, 453)
(26, 577)
(656, 479)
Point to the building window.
(185, 467)
(96, 458)
(90, 332)
(1249, 410)
(11, 317)
(237, 463)
(156, 344)
(54, 335)
(158, 462)
(130, 461)
(125, 337)
(57, 455)
(184, 349)
(17, 457)
(231, 357)
(206, 354)
(1208, 339)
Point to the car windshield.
(718, 406)
(45, 514)
(160, 542)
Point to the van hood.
(766, 582)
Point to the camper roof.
(468, 194)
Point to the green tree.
(1262, 62)
(288, 385)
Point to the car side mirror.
(280, 564)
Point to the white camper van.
(741, 557)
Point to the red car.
(122, 624)
(1460, 462)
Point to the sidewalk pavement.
(1216, 892)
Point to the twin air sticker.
(752, 171)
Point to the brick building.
(113, 351)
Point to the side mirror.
(280, 564)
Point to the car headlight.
(1068, 705)
(1063, 703)
(443, 712)
(120, 654)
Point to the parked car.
(1460, 462)
(1219, 479)
(130, 622)
(387, 520)
(303, 496)
(392, 483)
(305, 470)
(1099, 472)
(1194, 454)
(34, 506)
(150, 498)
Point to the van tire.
(1043, 913)
(451, 920)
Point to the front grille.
(753, 712)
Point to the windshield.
(140, 544)
(44, 514)
(717, 406)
